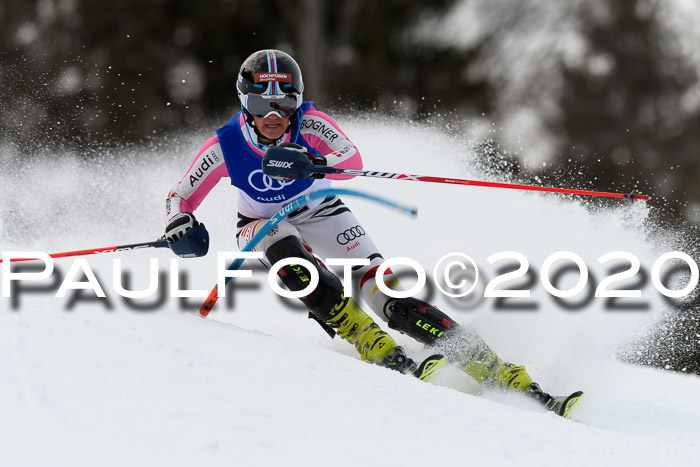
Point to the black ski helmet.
(269, 73)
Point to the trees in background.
(609, 86)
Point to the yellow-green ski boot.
(355, 326)
(490, 371)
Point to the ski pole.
(457, 181)
(160, 243)
(280, 216)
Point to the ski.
(429, 366)
(562, 405)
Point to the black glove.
(186, 237)
(291, 161)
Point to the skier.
(275, 119)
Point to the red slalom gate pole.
(160, 243)
(457, 181)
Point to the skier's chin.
(273, 132)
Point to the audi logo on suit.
(349, 235)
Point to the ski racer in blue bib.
(274, 115)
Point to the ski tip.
(569, 403)
(429, 366)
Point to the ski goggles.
(259, 105)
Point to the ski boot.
(495, 373)
(355, 326)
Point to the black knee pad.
(422, 321)
(295, 277)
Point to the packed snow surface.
(112, 382)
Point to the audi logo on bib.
(349, 235)
(261, 182)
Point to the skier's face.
(271, 127)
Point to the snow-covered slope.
(99, 382)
